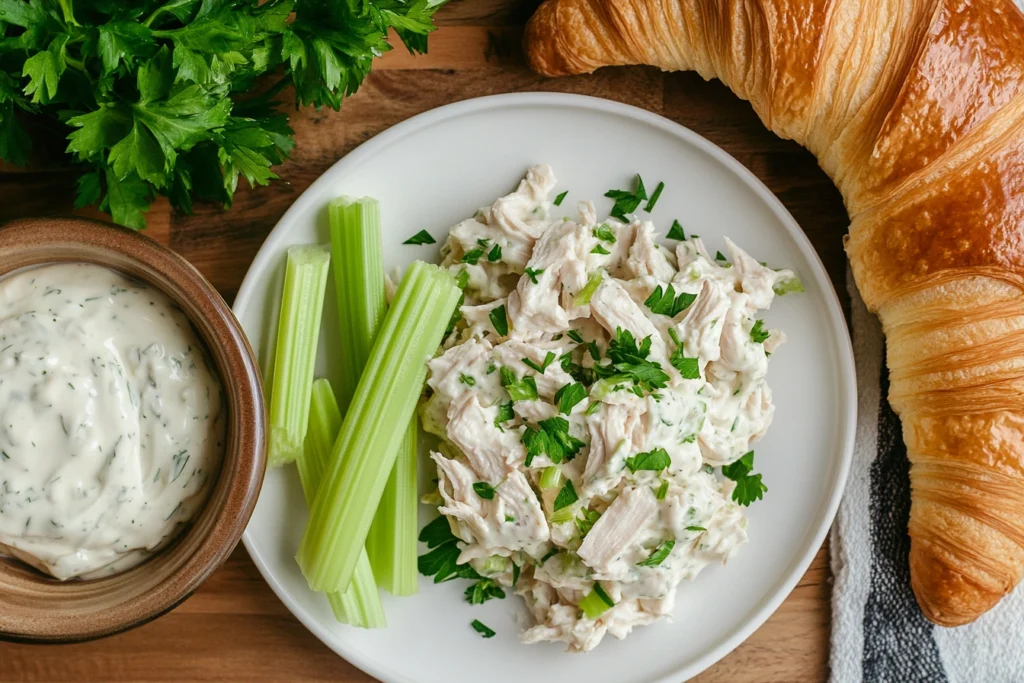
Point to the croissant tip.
(947, 596)
(540, 42)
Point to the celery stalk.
(392, 540)
(298, 331)
(359, 283)
(360, 605)
(367, 445)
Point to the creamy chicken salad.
(597, 400)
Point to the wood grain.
(234, 628)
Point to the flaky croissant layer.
(915, 109)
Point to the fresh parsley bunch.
(168, 97)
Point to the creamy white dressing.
(701, 423)
(111, 424)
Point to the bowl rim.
(80, 240)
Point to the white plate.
(437, 168)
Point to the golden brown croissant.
(915, 108)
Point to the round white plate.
(438, 168)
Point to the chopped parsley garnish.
(659, 554)
(788, 286)
(515, 573)
(422, 237)
(440, 562)
(494, 254)
(468, 380)
(575, 336)
(568, 396)
(484, 242)
(719, 256)
(473, 256)
(549, 554)
(585, 522)
(559, 198)
(491, 368)
(695, 528)
(484, 490)
(462, 279)
(627, 358)
(524, 389)
(655, 197)
(506, 412)
(551, 439)
(654, 461)
(499, 319)
(758, 333)
(665, 302)
(749, 487)
(593, 407)
(604, 233)
(676, 232)
(600, 250)
(626, 201)
(482, 591)
(510, 519)
(689, 368)
(662, 490)
(548, 360)
(595, 351)
(482, 629)
(566, 497)
(532, 274)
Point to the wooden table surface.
(234, 628)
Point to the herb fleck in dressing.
(110, 420)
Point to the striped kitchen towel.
(878, 631)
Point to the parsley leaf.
(598, 249)
(494, 254)
(655, 197)
(483, 590)
(568, 396)
(689, 368)
(506, 412)
(585, 522)
(749, 487)
(551, 439)
(604, 233)
(484, 490)
(499, 319)
(524, 389)
(559, 198)
(566, 497)
(662, 490)
(548, 359)
(532, 274)
(482, 629)
(422, 237)
(659, 554)
(665, 302)
(472, 256)
(441, 561)
(654, 461)
(625, 201)
(575, 336)
(695, 528)
(627, 358)
(468, 380)
(676, 232)
(757, 333)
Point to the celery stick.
(360, 605)
(298, 331)
(392, 540)
(367, 445)
(359, 283)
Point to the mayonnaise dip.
(111, 423)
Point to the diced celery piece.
(360, 605)
(298, 331)
(551, 477)
(368, 443)
(359, 283)
(603, 387)
(585, 294)
(596, 602)
(788, 286)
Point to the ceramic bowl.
(34, 607)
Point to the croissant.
(915, 109)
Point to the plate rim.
(836, 321)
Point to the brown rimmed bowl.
(36, 608)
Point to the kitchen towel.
(878, 631)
